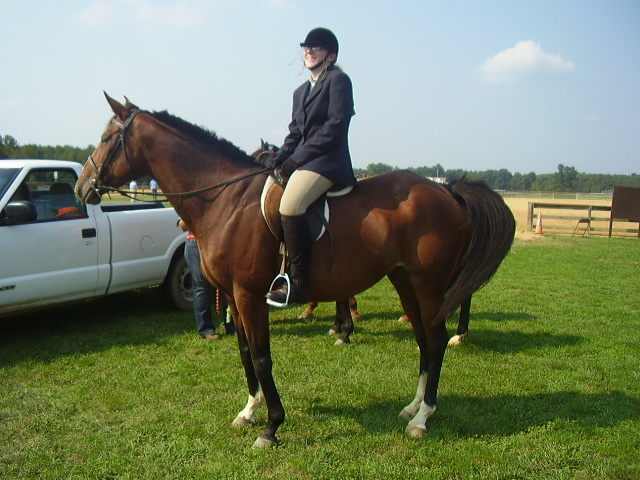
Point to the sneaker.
(212, 336)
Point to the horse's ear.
(119, 109)
(263, 145)
(128, 104)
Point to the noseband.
(96, 184)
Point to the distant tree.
(567, 178)
(517, 182)
(8, 144)
(435, 171)
(457, 174)
(378, 168)
(501, 179)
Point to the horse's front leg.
(256, 357)
(256, 398)
(437, 338)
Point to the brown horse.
(437, 244)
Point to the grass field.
(547, 385)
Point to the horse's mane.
(204, 136)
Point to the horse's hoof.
(241, 421)
(340, 342)
(406, 415)
(262, 442)
(333, 331)
(403, 318)
(415, 431)
(456, 340)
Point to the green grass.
(547, 386)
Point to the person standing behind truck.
(202, 291)
(133, 187)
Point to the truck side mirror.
(20, 211)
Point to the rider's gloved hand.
(289, 166)
(273, 162)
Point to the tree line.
(566, 179)
(10, 148)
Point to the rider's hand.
(289, 166)
(273, 162)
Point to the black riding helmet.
(321, 37)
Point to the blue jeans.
(202, 289)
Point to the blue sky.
(477, 85)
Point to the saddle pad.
(270, 202)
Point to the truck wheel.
(176, 288)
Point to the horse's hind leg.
(463, 323)
(411, 307)
(429, 377)
(343, 322)
(353, 306)
(432, 343)
(308, 312)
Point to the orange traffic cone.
(539, 225)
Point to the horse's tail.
(491, 231)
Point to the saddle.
(317, 215)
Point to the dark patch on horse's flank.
(205, 136)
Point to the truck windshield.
(6, 177)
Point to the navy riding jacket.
(318, 132)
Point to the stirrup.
(285, 280)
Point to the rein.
(128, 193)
(96, 185)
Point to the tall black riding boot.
(297, 239)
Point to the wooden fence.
(578, 219)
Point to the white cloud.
(524, 61)
(281, 3)
(179, 14)
(97, 14)
(8, 104)
(183, 13)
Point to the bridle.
(97, 185)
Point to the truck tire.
(176, 288)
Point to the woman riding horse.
(314, 155)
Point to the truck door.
(53, 257)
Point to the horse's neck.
(194, 176)
(181, 166)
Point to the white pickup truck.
(54, 249)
